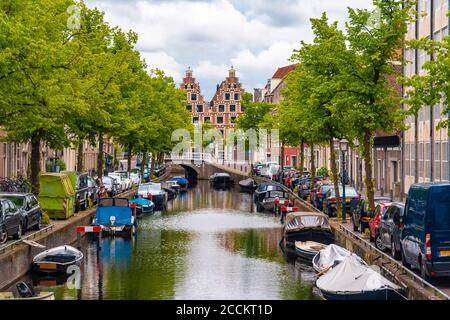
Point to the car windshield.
(16, 199)
(349, 192)
(107, 180)
(441, 209)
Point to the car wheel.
(395, 253)
(259, 208)
(423, 271)
(18, 235)
(38, 224)
(3, 235)
(379, 243)
(84, 206)
(355, 226)
(404, 262)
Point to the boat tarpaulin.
(350, 276)
(334, 254)
(141, 202)
(122, 216)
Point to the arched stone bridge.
(200, 166)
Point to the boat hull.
(320, 236)
(52, 268)
(382, 294)
(305, 254)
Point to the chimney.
(189, 73)
(232, 72)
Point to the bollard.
(391, 194)
(78, 241)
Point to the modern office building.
(426, 151)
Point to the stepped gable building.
(196, 103)
(226, 103)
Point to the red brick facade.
(225, 106)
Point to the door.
(34, 211)
(12, 217)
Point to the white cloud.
(255, 36)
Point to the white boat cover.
(333, 254)
(350, 276)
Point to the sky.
(254, 36)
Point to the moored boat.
(331, 256)
(307, 226)
(181, 181)
(221, 179)
(308, 249)
(57, 260)
(266, 201)
(115, 217)
(26, 292)
(352, 280)
(247, 185)
(143, 206)
(155, 192)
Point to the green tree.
(372, 104)
(35, 75)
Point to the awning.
(386, 142)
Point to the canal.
(209, 244)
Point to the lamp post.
(344, 147)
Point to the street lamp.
(344, 147)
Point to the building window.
(219, 120)
(221, 108)
(207, 119)
(185, 86)
(235, 86)
(193, 96)
(232, 108)
(242, 109)
(233, 119)
(199, 108)
(236, 96)
(189, 108)
(195, 120)
(227, 96)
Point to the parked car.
(257, 169)
(135, 178)
(124, 176)
(120, 180)
(112, 186)
(315, 189)
(304, 187)
(29, 208)
(425, 237)
(319, 195)
(330, 201)
(94, 190)
(380, 210)
(10, 221)
(390, 228)
(272, 172)
(361, 215)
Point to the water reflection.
(210, 244)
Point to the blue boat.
(115, 217)
(143, 206)
(183, 182)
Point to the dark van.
(425, 237)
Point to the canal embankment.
(415, 288)
(16, 258)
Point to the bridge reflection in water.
(210, 244)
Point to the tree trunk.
(152, 168)
(335, 176)
(302, 156)
(80, 156)
(313, 166)
(368, 168)
(129, 155)
(35, 164)
(100, 157)
(282, 157)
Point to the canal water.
(209, 244)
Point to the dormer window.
(193, 96)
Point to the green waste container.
(57, 195)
